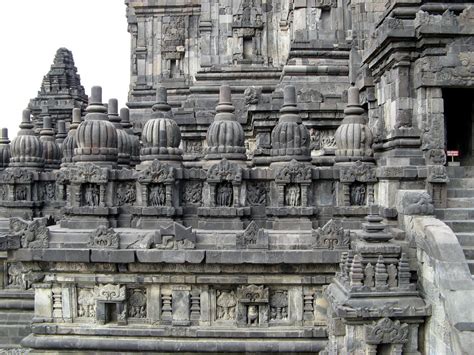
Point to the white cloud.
(30, 33)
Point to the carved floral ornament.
(224, 171)
(104, 238)
(294, 172)
(331, 236)
(157, 173)
(253, 293)
(386, 331)
(358, 171)
(89, 173)
(109, 292)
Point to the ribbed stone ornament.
(96, 136)
(123, 139)
(353, 137)
(134, 140)
(161, 135)
(5, 152)
(51, 149)
(26, 148)
(290, 137)
(225, 136)
(70, 142)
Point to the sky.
(32, 30)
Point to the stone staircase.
(459, 214)
(16, 314)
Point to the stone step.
(463, 183)
(16, 294)
(17, 303)
(13, 334)
(454, 213)
(15, 317)
(466, 239)
(460, 171)
(463, 193)
(467, 202)
(460, 225)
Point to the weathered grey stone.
(239, 226)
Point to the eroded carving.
(331, 236)
(104, 238)
(386, 331)
(32, 234)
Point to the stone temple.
(278, 183)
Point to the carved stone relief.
(90, 195)
(257, 193)
(331, 236)
(279, 305)
(293, 195)
(156, 195)
(224, 194)
(104, 238)
(226, 304)
(32, 234)
(386, 331)
(358, 194)
(137, 303)
(192, 193)
(86, 303)
(126, 193)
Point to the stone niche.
(18, 191)
(110, 303)
(253, 306)
(257, 306)
(356, 184)
(290, 191)
(247, 26)
(173, 31)
(223, 197)
(157, 196)
(89, 194)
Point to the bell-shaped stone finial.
(353, 137)
(225, 136)
(123, 139)
(290, 137)
(26, 148)
(161, 135)
(51, 150)
(5, 152)
(134, 140)
(61, 132)
(70, 142)
(96, 136)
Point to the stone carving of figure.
(20, 193)
(50, 190)
(224, 194)
(292, 197)
(91, 195)
(358, 195)
(252, 315)
(157, 195)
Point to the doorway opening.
(110, 313)
(459, 125)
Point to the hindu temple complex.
(286, 177)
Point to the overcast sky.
(32, 30)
